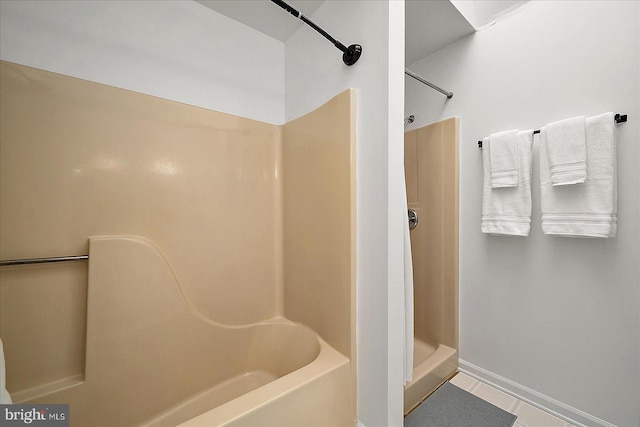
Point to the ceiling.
(430, 25)
(263, 15)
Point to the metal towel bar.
(619, 118)
(4, 263)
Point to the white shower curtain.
(408, 293)
(5, 397)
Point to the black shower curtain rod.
(350, 55)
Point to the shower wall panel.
(431, 168)
(319, 220)
(80, 159)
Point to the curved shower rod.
(350, 55)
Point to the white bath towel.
(567, 151)
(589, 209)
(504, 159)
(507, 211)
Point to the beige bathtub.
(314, 395)
(151, 359)
(221, 194)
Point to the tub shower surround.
(431, 167)
(203, 301)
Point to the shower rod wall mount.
(350, 55)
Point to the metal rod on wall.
(350, 55)
(43, 260)
(448, 94)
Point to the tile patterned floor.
(528, 416)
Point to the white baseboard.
(532, 397)
(359, 424)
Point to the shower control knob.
(413, 219)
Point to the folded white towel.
(567, 150)
(507, 211)
(504, 159)
(589, 209)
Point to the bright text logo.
(35, 415)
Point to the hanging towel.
(589, 209)
(504, 159)
(567, 150)
(507, 211)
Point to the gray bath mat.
(450, 406)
